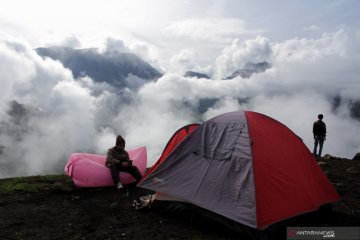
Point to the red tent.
(175, 139)
(244, 166)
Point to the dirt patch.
(106, 213)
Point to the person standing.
(319, 131)
(117, 159)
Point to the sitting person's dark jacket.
(117, 159)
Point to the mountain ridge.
(111, 67)
(249, 69)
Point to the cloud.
(225, 104)
(142, 50)
(71, 41)
(300, 110)
(183, 61)
(312, 28)
(134, 82)
(208, 29)
(328, 44)
(114, 45)
(239, 53)
(160, 108)
(307, 75)
(147, 52)
(46, 114)
(57, 114)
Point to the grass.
(31, 184)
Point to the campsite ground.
(36, 208)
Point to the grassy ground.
(51, 207)
(32, 184)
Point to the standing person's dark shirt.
(319, 128)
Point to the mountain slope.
(110, 67)
(249, 69)
(196, 74)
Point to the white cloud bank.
(239, 53)
(208, 29)
(46, 115)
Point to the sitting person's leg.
(115, 173)
(134, 171)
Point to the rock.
(338, 185)
(354, 170)
(114, 205)
(339, 188)
(327, 157)
(322, 163)
(61, 187)
(356, 157)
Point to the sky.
(313, 47)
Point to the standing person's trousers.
(319, 140)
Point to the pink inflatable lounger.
(89, 170)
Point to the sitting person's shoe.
(119, 186)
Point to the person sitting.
(117, 160)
